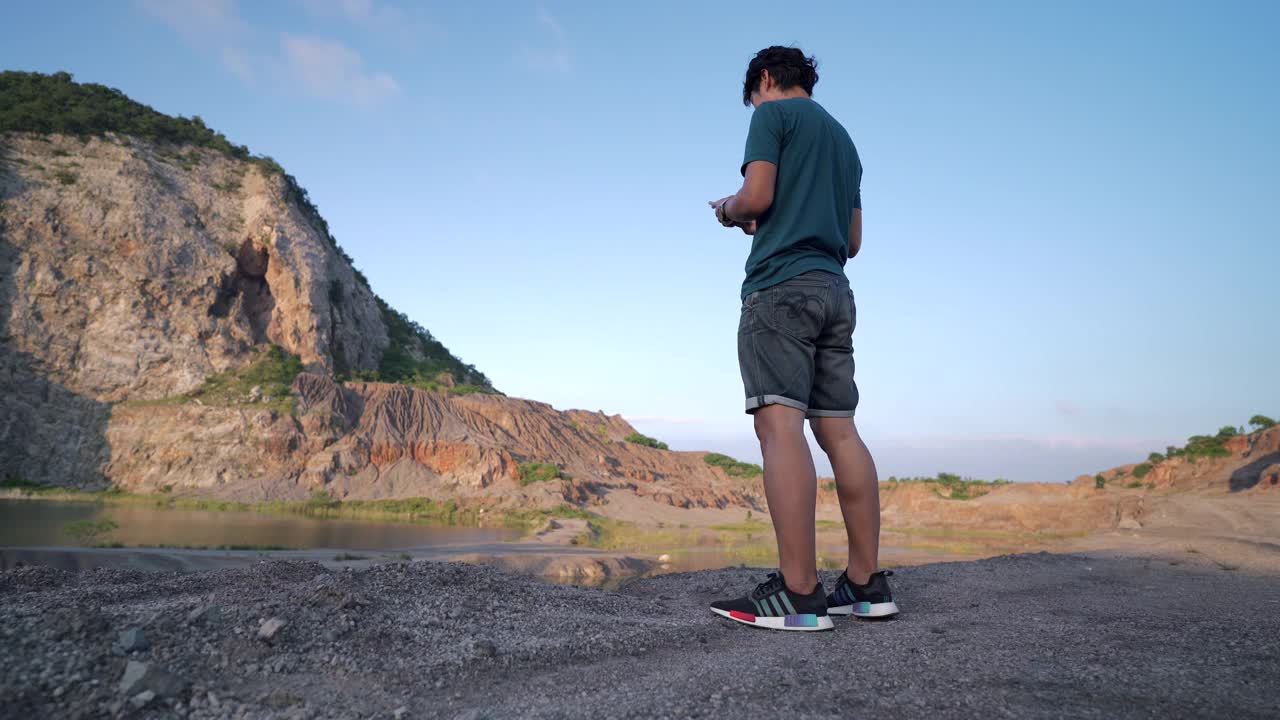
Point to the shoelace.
(767, 587)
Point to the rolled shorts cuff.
(829, 413)
(756, 402)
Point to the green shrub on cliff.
(416, 357)
(957, 487)
(532, 472)
(731, 466)
(1261, 422)
(1210, 446)
(39, 103)
(642, 439)
(272, 372)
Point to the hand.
(748, 227)
(718, 207)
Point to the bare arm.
(756, 195)
(855, 233)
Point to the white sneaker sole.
(798, 623)
(865, 610)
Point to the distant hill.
(1231, 460)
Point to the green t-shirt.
(819, 185)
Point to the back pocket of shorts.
(798, 311)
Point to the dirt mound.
(379, 440)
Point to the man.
(801, 202)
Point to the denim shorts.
(795, 346)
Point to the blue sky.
(1071, 208)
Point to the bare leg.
(859, 491)
(791, 488)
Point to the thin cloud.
(238, 63)
(323, 68)
(402, 25)
(198, 21)
(553, 53)
(330, 70)
(212, 26)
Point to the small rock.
(131, 640)
(255, 393)
(399, 712)
(141, 699)
(140, 676)
(209, 614)
(664, 558)
(485, 648)
(280, 699)
(270, 628)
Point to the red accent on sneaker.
(742, 616)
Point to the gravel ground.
(1018, 636)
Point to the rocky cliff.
(145, 265)
(133, 268)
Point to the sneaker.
(771, 605)
(873, 600)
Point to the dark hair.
(788, 67)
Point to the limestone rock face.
(133, 271)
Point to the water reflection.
(37, 522)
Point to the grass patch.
(90, 533)
(348, 557)
(532, 472)
(1134, 484)
(241, 547)
(645, 440)
(732, 467)
(746, 526)
(13, 481)
(1140, 471)
(272, 370)
(65, 177)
